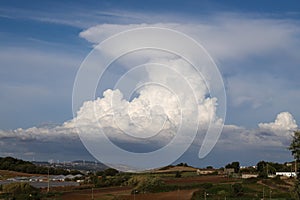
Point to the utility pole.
(92, 193)
(134, 194)
(205, 195)
(296, 167)
(48, 187)
(263, 193)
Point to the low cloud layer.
(63, 143)
(274, 134)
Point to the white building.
(287, 174)
(249, 176)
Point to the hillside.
(170, 169)
(5, 174)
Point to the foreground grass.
(247, 189)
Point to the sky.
(254, 44)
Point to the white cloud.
(256, 54)
(276, 134)
(158, 108)
(40, 134)
(284, 122)
(225, 36)
(48, 140)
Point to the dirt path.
(274, 187)
(261, 183)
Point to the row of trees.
(262, 168)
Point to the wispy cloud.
(74, 17)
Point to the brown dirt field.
(102, 193)
(199, 179)
(174, 195)
(123, 193)
(11, 174)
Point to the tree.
(295, 145)
(178, 174)
(234, 165)
(295, 149)
(248, 170)
(110, 172)
(261, 168)
(182, 164)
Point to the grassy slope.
(4, 174)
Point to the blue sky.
(255, 45)
(52, 27)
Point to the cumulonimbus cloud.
(156, 108)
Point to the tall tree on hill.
(295, 149)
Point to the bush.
(250, 180)
(198, 194)
(111, 172)
(17, 188)
(237, 189)
(178, 174)
(262, 174)
(146, 184)
(20, 191)
(207, 185)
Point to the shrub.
(17, 188)
(237, 189)
(207, 185)
(111, 172)
(146, 184)
(178, 174)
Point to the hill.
(18, 165)
(170, 169)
